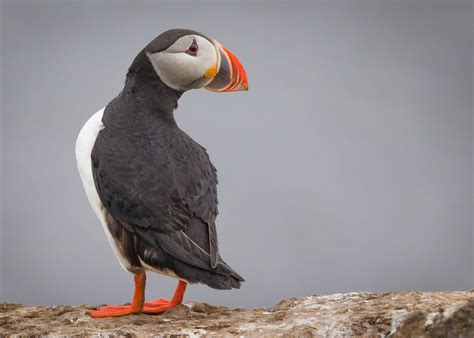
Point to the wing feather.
(182, 247)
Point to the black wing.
(162, 187)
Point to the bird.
(152, 186)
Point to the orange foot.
(113, 311)
(123, 310)
(159, 305)
(163, 304)
(139, 305)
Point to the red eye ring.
(193, 49)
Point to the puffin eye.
(193, 49)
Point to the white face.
(183, 65)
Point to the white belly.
(84, 144)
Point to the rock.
(454, 321)
(391, 314)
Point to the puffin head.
(185, 59)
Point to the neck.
(150, 93)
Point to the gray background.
(347, 166)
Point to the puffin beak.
(228, 75)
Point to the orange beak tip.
(230, 76)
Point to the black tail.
(225, 279)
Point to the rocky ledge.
(391, 314)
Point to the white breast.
(84, 144)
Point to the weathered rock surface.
(393, 314)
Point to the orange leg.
(162, 304)
(136, 306)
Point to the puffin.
(152, 186)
